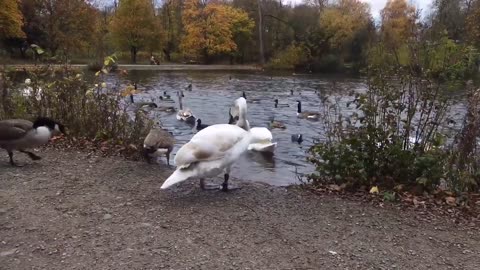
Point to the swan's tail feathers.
(179, 175)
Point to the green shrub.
(327, 63)
(293, 56)
(391, 134)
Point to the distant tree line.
(316, 35)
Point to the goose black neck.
(276, 103)
(243, 95)
(299, 107)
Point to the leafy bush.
(88, 111)
(392, 133)
(293, 56)
(327, 63)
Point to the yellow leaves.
(11, 19)
(130, 90)
(342, 21)
(134, 24)
(374, 190)
(398, 22)
(210, 29)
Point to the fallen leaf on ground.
(451, 200)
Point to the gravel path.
(75, 211)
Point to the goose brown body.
(158, 141)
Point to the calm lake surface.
(214, 93)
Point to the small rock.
(107, 216)
(8, 252)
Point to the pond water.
(213, 94)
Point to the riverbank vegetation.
(313, 35)
(94, 113)
(401, 133)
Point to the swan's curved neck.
(180, 103)
(242, 115)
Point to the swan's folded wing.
(211, 143)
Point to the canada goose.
(169, 109)
(254, 100)
(189, 87)
(280, 104)
(144, 106)
(199, 126)
(298, 138)
(212, 151)
(158, 141)
(291, 92)
(276, 124)
(306, 115)
(165, 96)
(20, 134)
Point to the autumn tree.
(11, 21)
(448, 15)
(472, 24)
(135, 26)
(210, 28)
(342, 21)
(172, 21)
(62, 25)
(398, 22)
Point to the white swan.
(213, 150)
(240, 109)
(185, 115)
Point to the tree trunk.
(133, 53)
(206, 56)
(167, 54)
(260, 32)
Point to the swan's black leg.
(225, 182)
(225, 186)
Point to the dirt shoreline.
(73, 210)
